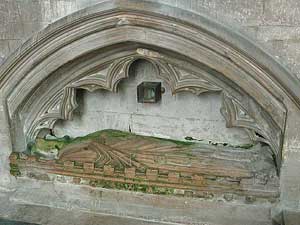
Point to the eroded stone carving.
(184, 33)
(258, 125)
(242, 112)
(123, 160)
(228, 62)
(108, 79)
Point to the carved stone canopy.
(93, 49)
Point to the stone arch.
(190, 51)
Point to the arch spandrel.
(255, 87)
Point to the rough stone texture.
(268, 21)
(272, 23)
(38, 214)
(5, 145)
(176, 116)
(29, 203)
(13, 222)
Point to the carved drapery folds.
(189, 51)
(244, 113)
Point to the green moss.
(224, 144)
(244, 146)
(59, 143)
(105, 133)
(162, 190)
(117, 133)
(109, 133)
(118, 167)
(180, 143)
(108, 184)
(138, 179)
(14, 170)
(78, 164)
(133, 156)
(144, 188)
(47, 145)
(92, 136)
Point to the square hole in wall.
(149, 92)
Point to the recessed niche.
(149, 92)
(174, 116)
(177, 146)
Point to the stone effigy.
(93, 50)
(122, 160)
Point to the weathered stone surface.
(31, 203)
(282, 12)
(273, 22)
(46, 215)
(248, 13)
(12, 222)
(126, 161)
(176, 116)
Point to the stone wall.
(273, 23)
(176, 116)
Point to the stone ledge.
(181, 210)
(34, 215)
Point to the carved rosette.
(243, 113)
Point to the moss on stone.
(162, 190)
(244, 146)
(14, 170)
(177, 142)
(47, 145)
(144, 188)
(59, 143)
(42, 144)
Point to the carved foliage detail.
(245, 114)
(108, 78)
(259, 126)
(182, 80)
